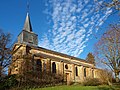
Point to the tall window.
(76, 69)
(44, 65)
(53, 67)
(84, 72)
(66, 66)
(38, 65)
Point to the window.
(38, 65)
(53, 67)
(30, 38)
(66, 66)
(44, 65)
(84, 72)
(76, 69)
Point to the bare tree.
(114, 4)
(90, 58)
(106, 76)
(5, 52)
(107, 49)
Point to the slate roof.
(71, 58)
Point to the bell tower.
(27, 36)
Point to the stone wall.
(66, 67)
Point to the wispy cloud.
(74, 22)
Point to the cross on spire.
(28, 6)
(27, 24)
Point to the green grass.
(79, 88)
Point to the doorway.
(68, 78)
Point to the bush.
(91, 82)
(8, 82)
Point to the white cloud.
(73, 25)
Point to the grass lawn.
(79, 88)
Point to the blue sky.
(67, 26)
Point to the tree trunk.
(109, 81)
(0, 71)
(117, 76)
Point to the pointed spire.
(27, 24)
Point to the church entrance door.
(68, 78)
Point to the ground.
(80, 88)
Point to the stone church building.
(40, 60)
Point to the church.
(28, 56)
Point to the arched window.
(38, 65)
(76, 69)
(84, 72)
(53, 67)
(66, 66)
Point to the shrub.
(91, 82)
(8, 82)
